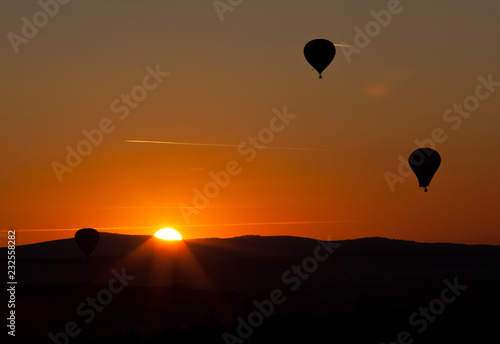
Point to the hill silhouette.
(111, 244)
(195, 290)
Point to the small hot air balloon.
(319, 53)
(87, 239)
(424, 162)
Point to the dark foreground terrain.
(136, 289)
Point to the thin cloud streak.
(201, 225)
(244, 224)
(235, 146)
(274, 223)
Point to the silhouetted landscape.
(193, 291)
(233, 171)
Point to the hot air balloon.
(424, 162)
(87, 239)
(319, 53)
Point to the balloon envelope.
(424, 162)
(87, 239)
(319, 53)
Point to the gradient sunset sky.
(227, 80)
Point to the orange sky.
(224, 80)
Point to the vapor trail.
(273, 223)
(234, 146)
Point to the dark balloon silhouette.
(87, 239)
(319, 53)
(424, 162)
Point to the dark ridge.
(112, 244)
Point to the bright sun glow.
(168, 234)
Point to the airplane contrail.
(243, 224)
(343, 45)
(273, 223)
(235, 146)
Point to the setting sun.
(168, 234)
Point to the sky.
(317, 158)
